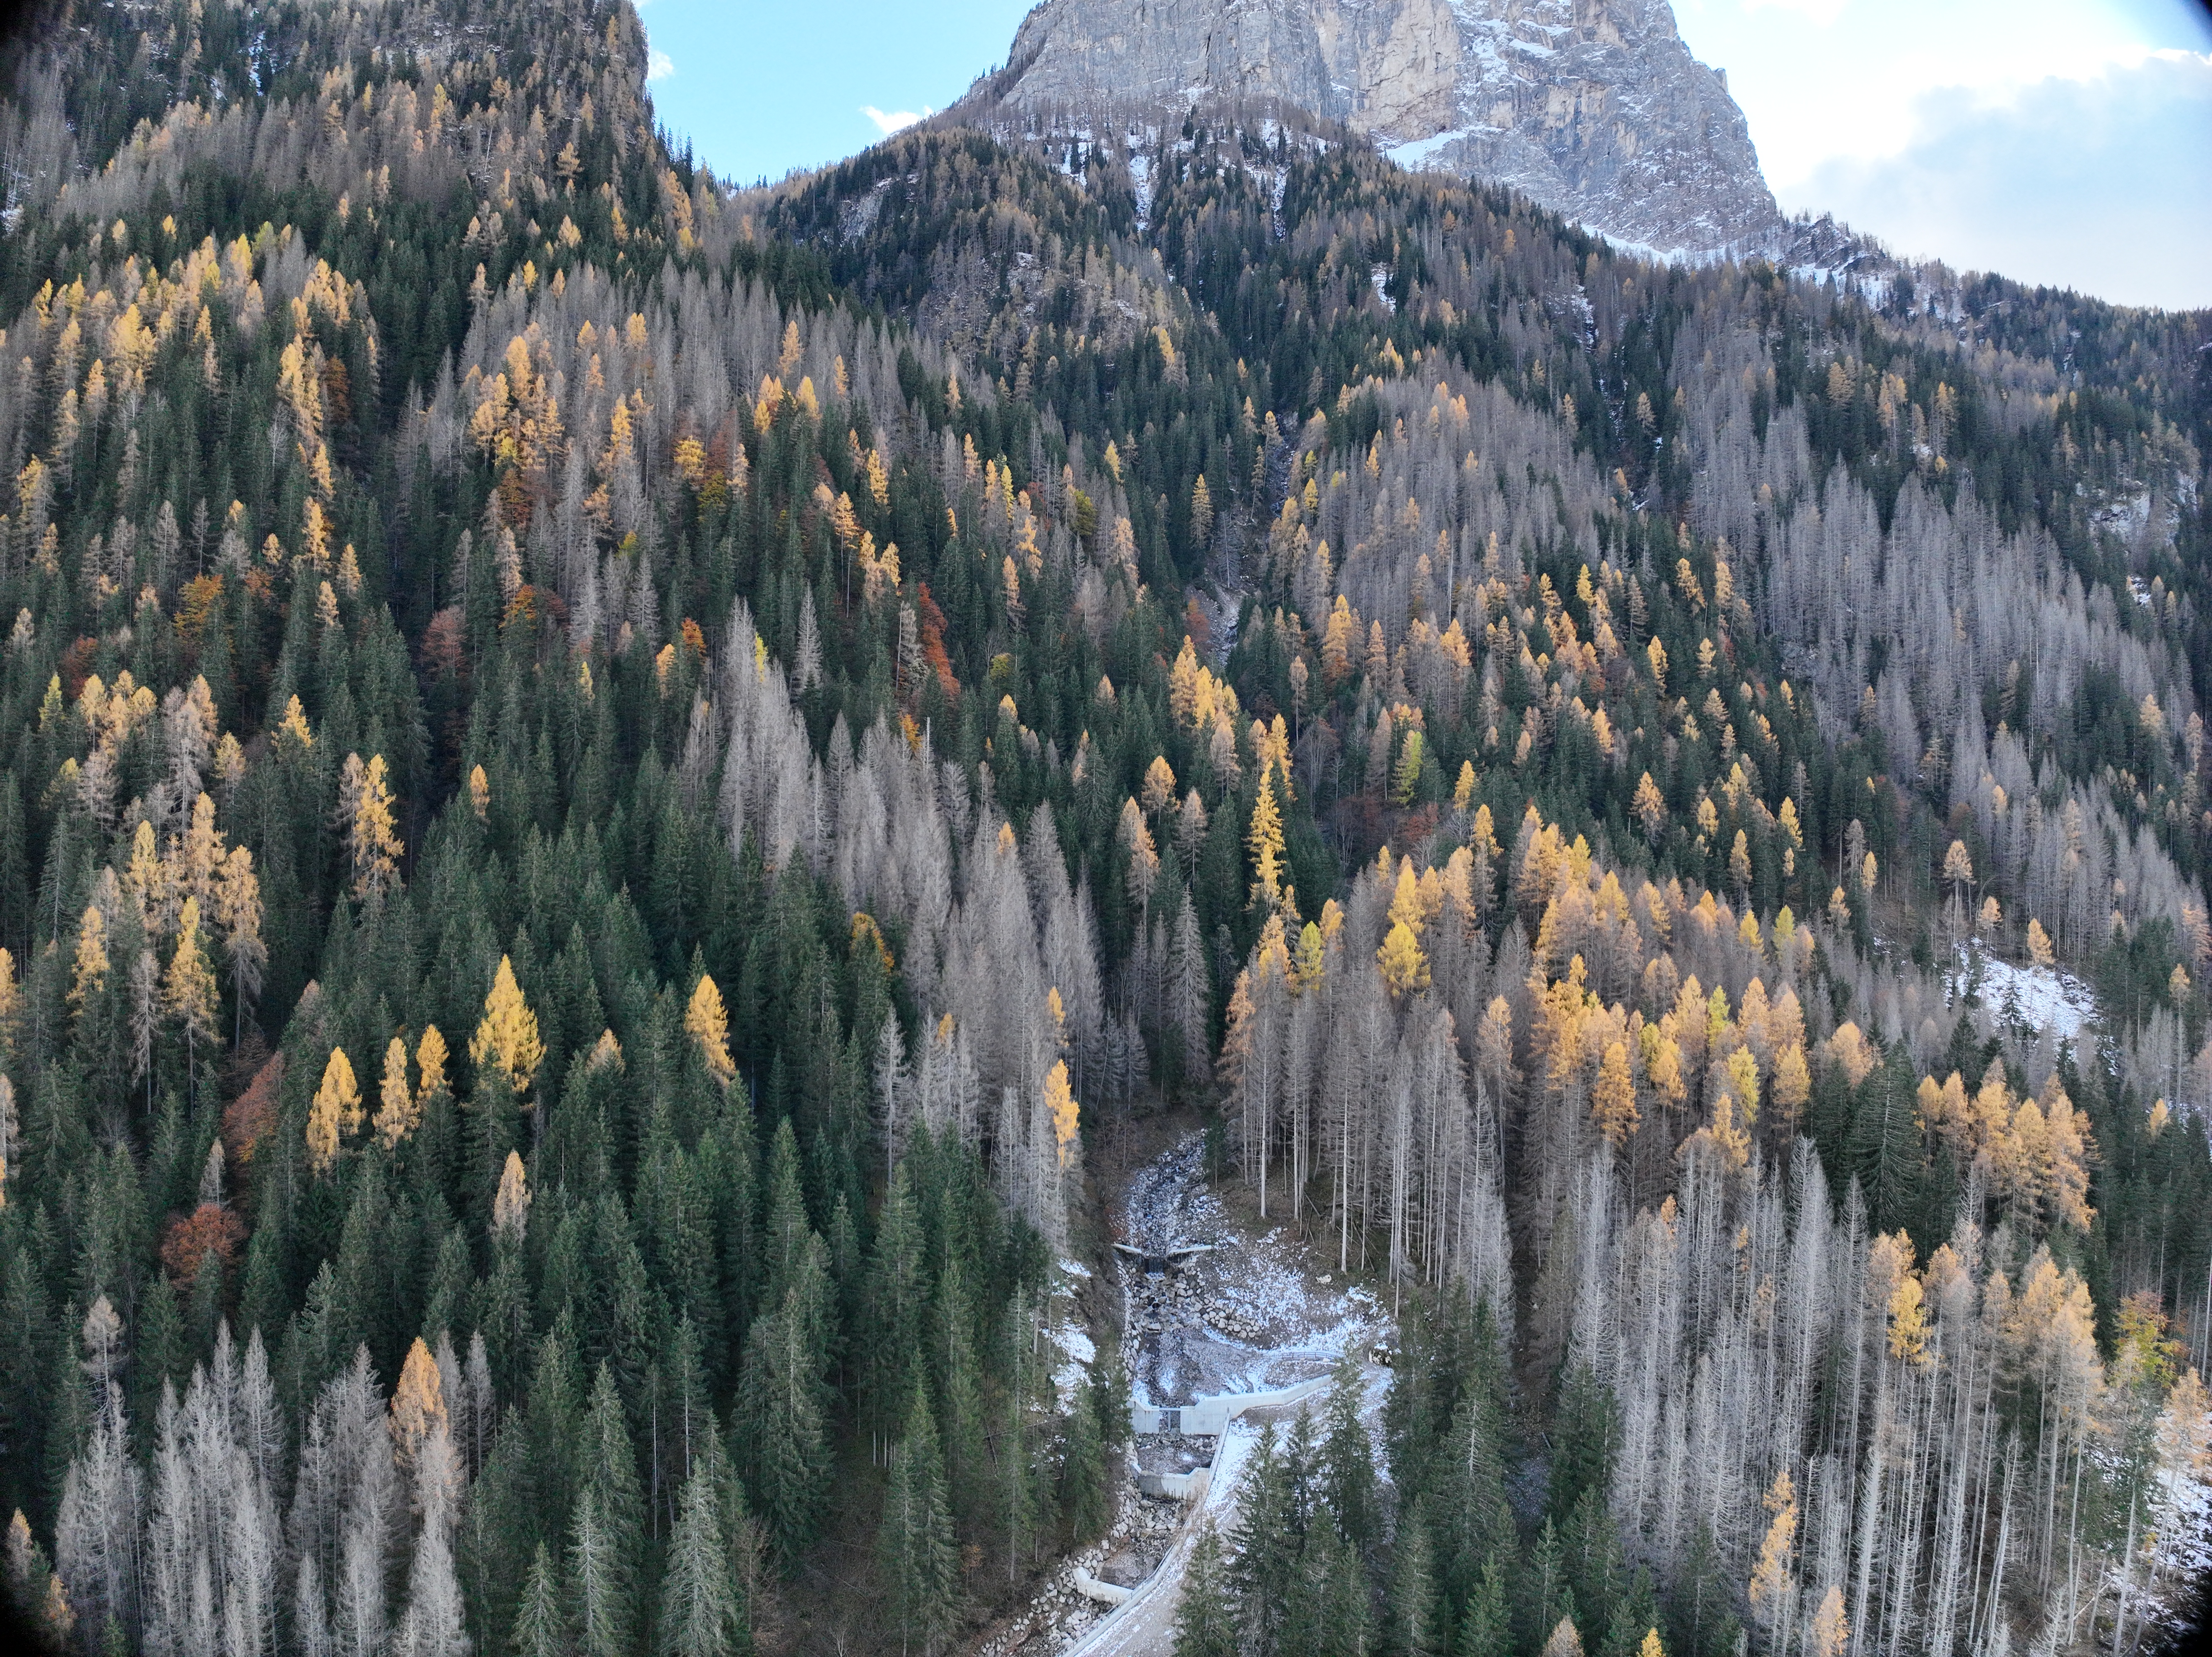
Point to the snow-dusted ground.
(2038, 997)
(1242, 1318)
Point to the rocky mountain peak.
(1593, 108)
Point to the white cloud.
(2094, 182)
(659, 66)
(888, 122)
(1822, 12)
(1821, 80)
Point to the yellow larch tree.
(1159, 786)
(707, 1023)
(334, 1112)
(1612, 1105)
(1771, 1584)
(430, 1063)
(1830, 1634)
(1723, 1137)
(1793, 1083)
(1182, 682)
(1650, 809)
(238, 912)
(188, 989)
(1404, 966)
(398, 1111)
(1265, 838)
(1406, 906)
(1060, 1103)
(418, 1404)
(371, 837)
(506, 1045)
(2038, 945)
(1908, 1321)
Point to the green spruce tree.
(916, 1553)
(1207, 1623)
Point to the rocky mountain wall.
(1593, 108)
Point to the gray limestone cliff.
(1593, 108)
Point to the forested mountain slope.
(602, 783)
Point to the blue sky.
(760, 87)
(2058, 140)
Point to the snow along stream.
(1218, 1345)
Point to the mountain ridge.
(1595, 108)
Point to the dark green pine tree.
(740, 1530)
(1327, 1610)
(1109, 1401)
(1592, 1544)
(610, 1473)
(1634, 1613)
(1703, 1621)
(1583, 1432)
(961, 1389)
(1348, 1456)
(1025, 1498)
(1468, 1506)
(916, 1553)
(699, 1603)
(1266, 1562)
(1486, 1627)
(1886, 1150)
(1416, 1625)
(1346, 1606)
(784, 1432)
(784, 1227)
(1546, 1596)
(1083, 1490)
(1207, 1622)
(893, 1318)
(541, 1625)
(600, 1586)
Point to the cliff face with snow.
(1593, 108)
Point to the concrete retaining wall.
(1210, 1417)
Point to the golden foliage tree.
(431, 1063)
(1404, 966)
(1770, 1577)
(1059, 1102)
(372, 837)
(1159, 786)
(398, 1111)
(1831, 1633)
(335, 1113)
(418, 1403)
(506, 1045)
(707, 1023)
(1265, 838)
(1650, 809)
(188, 991)
(1793, 1082)
(1612, 1105)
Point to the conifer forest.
(614, 791)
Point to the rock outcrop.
(1593, 108)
